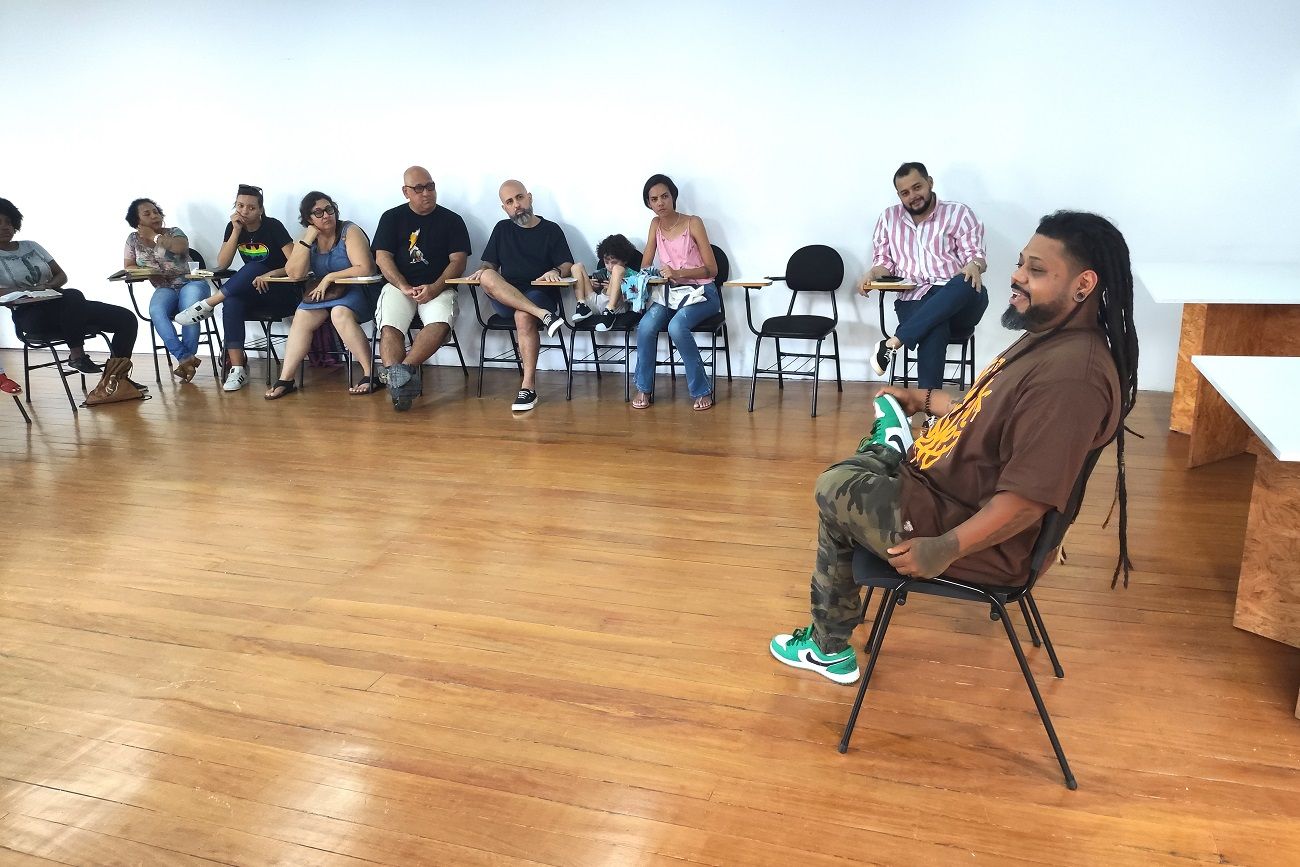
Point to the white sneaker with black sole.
(525, 400)
(881, 357)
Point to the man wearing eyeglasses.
(419, 246)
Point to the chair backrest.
(1056, 523)
(724, 266)
(724, 273)
(196, 256)
(815, 268)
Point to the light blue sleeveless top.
(336, 259)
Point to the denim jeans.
(679, 324)
(242, 295)
(927, 324)
(166, 303)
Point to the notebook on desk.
(28, 295)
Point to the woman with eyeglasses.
(264, 245)
(166, 251)
(329, 250)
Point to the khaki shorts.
(397, 310)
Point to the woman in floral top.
(166, 251)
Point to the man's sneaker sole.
(806, 662)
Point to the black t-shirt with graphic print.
(421, 245)
(264, 245)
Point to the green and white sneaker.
(800, 651)
(891, 428)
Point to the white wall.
(781, 122)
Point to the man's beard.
(523, 219)
(924, 206)
(1031, 320)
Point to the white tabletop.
(1261, 390)
(1177, 283)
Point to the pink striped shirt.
(930, 252)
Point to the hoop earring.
(1080, 296)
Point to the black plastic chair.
(604, 353)
(815, 268)
(371, 290)
(452, 342)
(266, 313)
(208, 334)
(965, 364)
(871, 572)
(715, 326)
(41, 341)
(497, 322)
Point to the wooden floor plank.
(316, 631)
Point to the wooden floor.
(318, 632)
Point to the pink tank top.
(680, 252)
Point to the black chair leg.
(18, 403)
(817, 369)
(780, 374)
(835, 341)
(753, 380)
(1070, 782)
(1029, 622)
(455, 342)
(27, 374)
(878, 630)
(726, 353)
(1047, 640)
(157, 370)
(63, 377)
(482, 347)
(573, 350)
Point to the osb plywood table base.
(1224, 329)
(1268, 593)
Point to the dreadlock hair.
(1094, 243)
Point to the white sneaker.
(236, 379)
(194, 313)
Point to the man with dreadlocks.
(967, 499)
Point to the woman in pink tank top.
(685, 256)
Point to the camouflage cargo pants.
(858, 501)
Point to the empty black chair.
(815, 268)
(715, 326)
(871, 572)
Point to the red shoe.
(8, 386)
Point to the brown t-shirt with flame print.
(1025, 427)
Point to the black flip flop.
(288, 385)
(376, 385)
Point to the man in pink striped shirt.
(939, 246)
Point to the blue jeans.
(929, 323)
(679, 324)
(166, 303)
